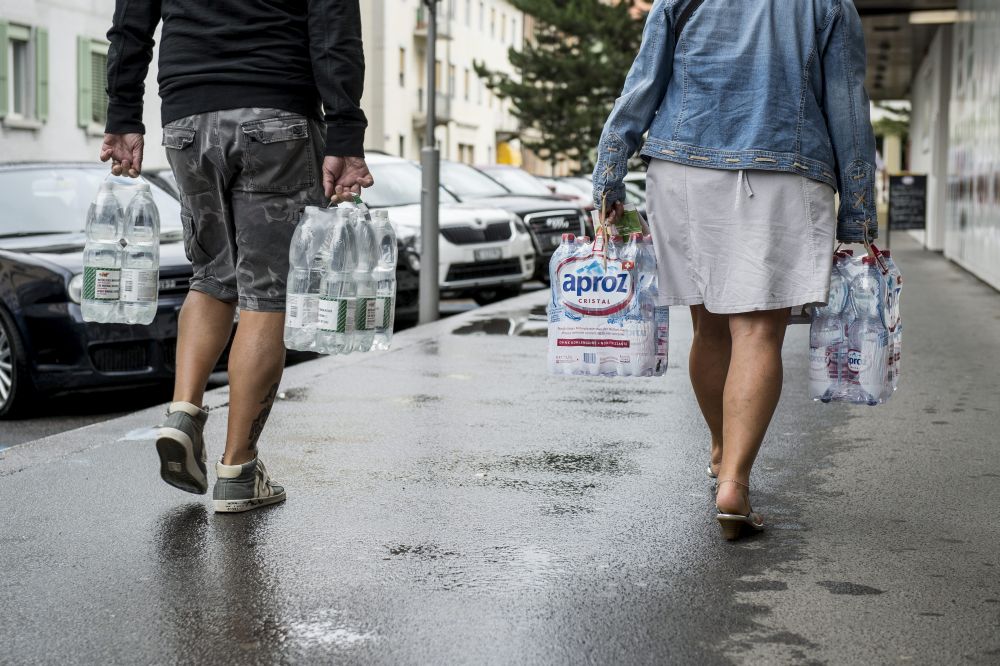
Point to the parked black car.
(547, 218)
(45, 346)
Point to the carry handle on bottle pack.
(121, 256)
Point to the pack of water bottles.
(603, 316)
(341, 281)
(855, 341)
(121, 259)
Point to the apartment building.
(53, 104)
(473, 125)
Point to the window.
(513, 31)
(402, 145)
(437, 76)
(24, 74)
(493, 22)
(92, 84)
(481, 13)
(503, 27)
(402, 67)
(479, 95)
(467, 84)
(468, 13)
(451, 80)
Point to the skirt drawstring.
(742, 187)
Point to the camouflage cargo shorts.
(244, 176)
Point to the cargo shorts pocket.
(192, 248)
(185, 160)
(279, 155)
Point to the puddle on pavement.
(140, 434)
(418, 400)
(565, 463)
(294, 394)
(530, 324)
(425, 551)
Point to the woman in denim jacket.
(755, 111)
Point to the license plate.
(488, 254)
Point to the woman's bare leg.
(708, 365)
(753, 387)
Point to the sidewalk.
(449, 502)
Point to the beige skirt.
(740, 241)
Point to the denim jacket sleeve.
(846, 106)
(633, 113)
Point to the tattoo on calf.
(258, 423)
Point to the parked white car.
(483, 252)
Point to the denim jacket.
(753, 84)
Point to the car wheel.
(16, 390)
(487, 296)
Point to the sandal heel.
(730, 530)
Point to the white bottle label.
(101, 284)
(295, 310)
(139, 285)
(333, 315)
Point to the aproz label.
(101, 284)
(855, 361)
(588, 287)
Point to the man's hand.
(344, 177)
(125, 153)
(615, 212)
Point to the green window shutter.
(84, 91)
(4, 69)
(42, 74)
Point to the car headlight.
(75, 288)
(410, 253)
(518, 224)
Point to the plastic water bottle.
(337, 292)
(867, 338)
(308, 258)
(385, 279)
(565, 249)
(102, 258)
(364, 281)
(896, 332)
(140, 275)
(827, 337)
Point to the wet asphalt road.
(451, 503)
(68, 412)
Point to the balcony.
(442, 111)
(443, 24)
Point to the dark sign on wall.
(908, 201)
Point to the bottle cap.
(887, 254)
(635, 235)
(568, 238)
(868, 260)
(616, 239)
(584, 239)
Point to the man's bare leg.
(204, 327)
(256, 362)
(708, 365)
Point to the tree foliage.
(569, 75)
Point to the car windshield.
(519, 182)
(397, 184)
(52, 200)
(468, 182)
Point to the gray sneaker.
(244, 487)
(182, 448)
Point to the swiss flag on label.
(628, 265)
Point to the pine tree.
(568, 77)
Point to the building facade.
(474, 126)
(53, 103)
(955, 139)
(53, 99)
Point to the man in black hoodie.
(261, 116)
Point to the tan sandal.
(733, 524)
